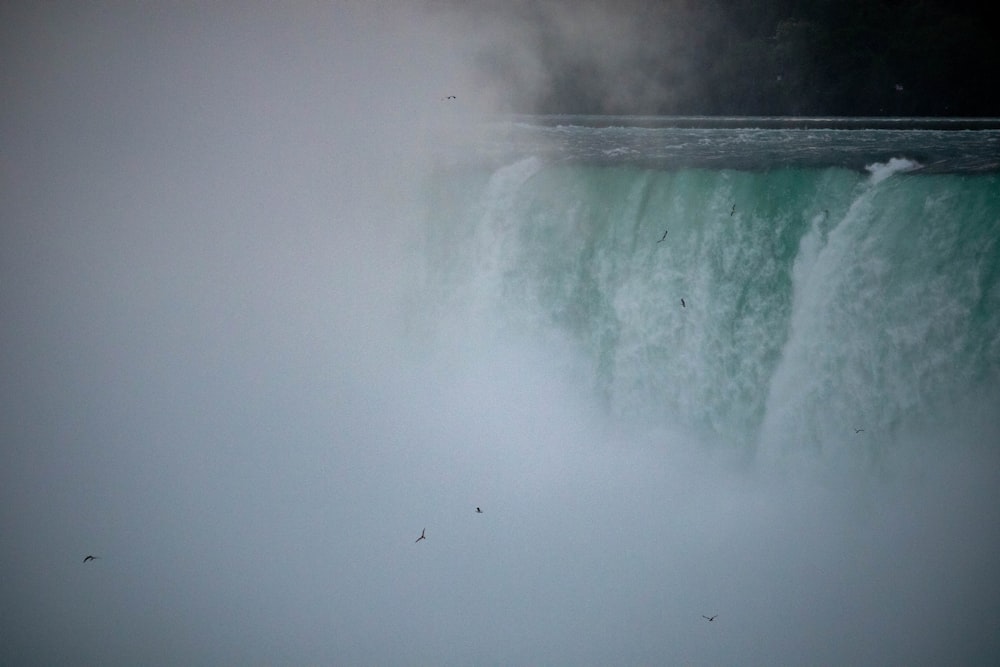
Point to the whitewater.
(797, 325)
(846, 306)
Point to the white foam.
(882, 170)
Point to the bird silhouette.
(663, 237)
(732, 211)
(858, 430)
(709, 618)
(90, 558)
(478, 511)
(422, 536)
(683, 305)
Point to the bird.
(858, 430)
(422, 536)
(90, 558)
(451, 97)
(663, 237)
(732, 211)
(709, 618)
(683, 305)
(478, 511)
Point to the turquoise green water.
(816, 301)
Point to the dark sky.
(209, 230)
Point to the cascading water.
(816, 301)
(814, 424)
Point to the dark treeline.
(749, 57)
(854, 58)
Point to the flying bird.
(451, 97)
(478, 511)
(683, 305)
(90, 558)
(732, 211)
(422, 536)
(663, 237)
(709, 618)
(858, 430)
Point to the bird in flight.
(709, 618)
(683, 305)
(478, 511)
(732, 211)
(422, 536)
(451, 97)
(90, 558)
(858, 430)
(663, 237)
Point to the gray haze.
(593, 56)
(210, 377)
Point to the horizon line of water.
(762, 122)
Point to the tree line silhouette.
(757, 57)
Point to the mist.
(224, 375)
(590, 56)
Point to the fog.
(629, 57)
(215, 377)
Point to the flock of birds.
(663, 238)
(423, 536)
(423, 532)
